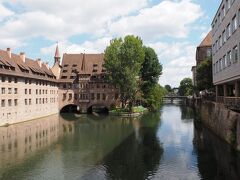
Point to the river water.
(171, 144)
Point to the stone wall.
(222, 121)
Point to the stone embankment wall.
(222, 121)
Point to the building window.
(224, 36)
(223, 12)
(239, 17)
(220, 64)
(9, 79)
(9, 90)
(228, 31)
(15, 80)
(15, 90)
(229, 58)
(224, 61)
(235, 53)
(92, 96)
(3, 103)
(116, 96)
(75, 96)
(15, 102)
(9, 102)
(37, 101)
(104, 97)
(228, 2)
(30, 91)
(98, 96)
(3, 90)
(3, 79)
(70, 96)
(234, 23)
(220, 41)
(25, 101)
(30, 101)
(36, 91)
(25, 91)
(217, 67)
(64, 96)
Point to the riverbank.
(222, 121)
(123, 112)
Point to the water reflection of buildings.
(20, 140)
(216, 160)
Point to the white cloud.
(97, 46)
(61, 19)
(177, 60)
(168, 18)
(99, 21)
(4, 12)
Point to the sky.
(174, 28)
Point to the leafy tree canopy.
(168, 88)
(204, 75)
(150, 71)
(123, 60)
(186, 87)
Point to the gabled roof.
(18, 67)
(88, 64)
(207, 41)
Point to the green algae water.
(169, 144)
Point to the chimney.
(47, 65)
(9, 52)
(39, 62)
(22, 56)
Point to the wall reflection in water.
(216, 160)
(20, 140)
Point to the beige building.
(82, 83)
(28, 88)
(226, 42)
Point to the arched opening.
(71, 108)
(100, 109)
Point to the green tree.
(150, 71)
(204, 75)
(123, 60)
(168, 88)
(186, 87)
(154, 99)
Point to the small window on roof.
(65, 65)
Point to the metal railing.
(232, 103)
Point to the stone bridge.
(83, 106)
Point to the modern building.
(203, 52)
(226, 42)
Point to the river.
(170, 144)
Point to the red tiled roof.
(207, 41)
(19, 66)
(84, 63)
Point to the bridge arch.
(99, 108)
(69, 108)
